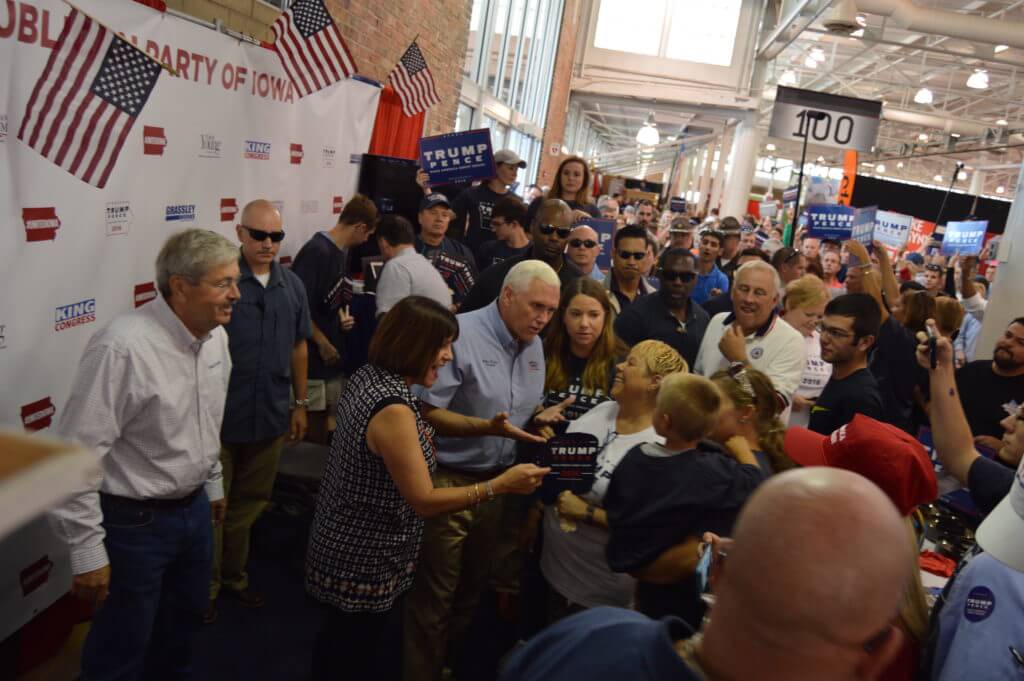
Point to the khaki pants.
(249, 472)
(453, 568)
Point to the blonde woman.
(803, 309)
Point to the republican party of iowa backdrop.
(227, 129)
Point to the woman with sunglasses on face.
(575, 530)
(572, 184)
(748, 418)
(803, 309)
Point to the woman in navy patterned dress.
(366, 533)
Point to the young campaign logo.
(228, 209)
(144, 293)
(257, 150)
(41, 224)
(37, 415)
(180, 212)
(153, 140)
(119, 217)
(35, 575)
(209, 146)
(296, 154)
(75, 314)
(309, 206)
(329, 157)
(336, 205)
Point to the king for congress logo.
(256, 150)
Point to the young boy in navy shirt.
(661, 496)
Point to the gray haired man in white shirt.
(149, 398)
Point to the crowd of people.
(743, 399)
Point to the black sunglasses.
(675, 275)
(636, 255)
(260, 235)
(933, 267)
(584, 243)
(547, 230)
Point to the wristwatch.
(301, 403)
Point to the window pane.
(512, 49)
(632, 26)
(464, 117)
(703, 32)
(473, 44)
(497, 42)
(525, 47)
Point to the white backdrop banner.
(228, 129)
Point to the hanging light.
(937, 178)
(923, 96)
(820, 159)
(1002, 121)
(880, 168)
(770, 146)
(648, 134)
(862, 20)
(788, 77)
(1000, 189)
(899, 166)
(1000, 48)
(978, 80)
(817, 54)
(810, 62)
(923, 137)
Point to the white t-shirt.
(816, 375)
(574, 563)
(264, 279)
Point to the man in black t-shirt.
(508, 220)
(986, 385)
(476, 204)
(848, 331)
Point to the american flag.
(310, 47)
(83, 106)
(412, 81)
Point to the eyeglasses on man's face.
(548, 230)
(582, 243)
(262, 235)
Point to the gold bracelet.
(476, 491)
(490, 490)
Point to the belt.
(154, 504)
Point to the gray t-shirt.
(410, 274)
(574, 563)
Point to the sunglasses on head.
(260, 235)
(636, 255)
(547, 230)
(676, 275)
(582, 243)
(933, 267)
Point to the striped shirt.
(149, 398)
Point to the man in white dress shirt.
(149, 398)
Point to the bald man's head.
(260, 232)
(550, 230)
(583, 246)
(818, 568)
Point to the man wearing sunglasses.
(848, 331)
(582, 250)
(550, 231)
(267, 337)
(669, 314)
(625, 281)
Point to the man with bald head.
(267, 338)
(583, 249)
(549, 231)
(791, 602)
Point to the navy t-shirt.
(983, 394)
(604, 644)
(323, 268)
(893, 361)
(493, 252)
(475, 204)
(842, 399)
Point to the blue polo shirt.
(716, 278)
(264, 328)
(491, 372)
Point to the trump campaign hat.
(509, 157)
(1001, 534)
(681, 225)
(883, 454)
(435, 199)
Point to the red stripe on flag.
(58, 81)
(65, 31)
(101, 143)
(337, 45)
(327, 58)
(73, 92)
(125, 129)
(83, 143)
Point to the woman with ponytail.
(748, 418)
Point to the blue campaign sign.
(863, 229)
(458, 157)
(830, 221)
(605, 231)
(964, 238)
(893, 229)
(677, 204)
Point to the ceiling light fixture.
(955, 134)
(1000, 189)
(937, 178)
(862, 20)
(859, 33)
(788, 77)
(817, 54)
(648, 135)
(923, 96)
(770, 146)
(899, 166)
(811, 63)
(821, 159)
(978, 80)
(880, 168)
(923, 137)
(1002, 121)
(1000, 48)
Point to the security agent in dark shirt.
(550, 230)
(848, 331)
(669, 314)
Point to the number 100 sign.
(842, 122)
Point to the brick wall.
(558, 102)
(377, 32)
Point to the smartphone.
(933, 348)
(703, 572)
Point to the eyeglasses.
(260, 235)
(582, 243)
(676, 275)
(635, 255)
(547, 230)
(838, 334)
(739, 374)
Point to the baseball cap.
(509, 157)
(681, 225)
(435, 199)
(729, 226)
(915, 258)
(1001, 534)
(883, 454)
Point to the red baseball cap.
(884, 454)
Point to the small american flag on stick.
(310, 47)
(91, 91)
(413, 83)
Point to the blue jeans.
(160, 573)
